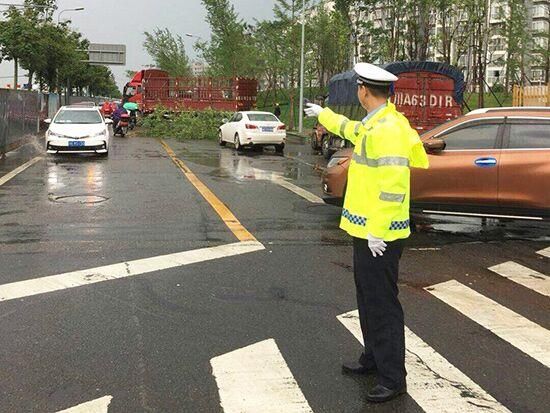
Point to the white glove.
(376, 245)
(313, 110)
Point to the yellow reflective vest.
(378, 190)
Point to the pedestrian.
(376, 215)
(277, 111)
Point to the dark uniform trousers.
(380, 311)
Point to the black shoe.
(380, 394)
(354, 367)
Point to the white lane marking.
(9, 176)
(257, 379)
(545, 252)
(520, 332)
(94, 406)
(316, 167)
(248, 172)
(277, 178)
(434, 383)
(79, 278)
(298, 191)
(524, 276)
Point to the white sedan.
(78, 129)
(253, 129)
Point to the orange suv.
(489, 163)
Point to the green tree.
(351, 10)
(270, 55)
(20, 35)
(230, 51)
(168, 52)
(328, 41)
(288, 13)
(513, 29)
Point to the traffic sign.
(107, 54)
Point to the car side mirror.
(108, 121)
(48, 121)
(225, 120)
(434, 145)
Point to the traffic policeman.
(376, 215)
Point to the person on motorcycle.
(117, 114)
(132, 109)
(106, 109)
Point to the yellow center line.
(221, 209)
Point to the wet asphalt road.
(147, 340)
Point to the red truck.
(150, 88)
(427, 93)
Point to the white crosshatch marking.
(257, 379)
(524, 276)
(434, 383)
(520, 332)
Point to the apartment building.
(537, 22)
(198, 68)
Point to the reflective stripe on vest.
(389, 197)
(343, 127)
(384, 161)
(362, 221)
(363, 159)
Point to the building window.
(539, 26)
(497, 11)
(537, 75)
(540, 11)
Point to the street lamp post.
(193, 35)
(66, 10)
(302, 59)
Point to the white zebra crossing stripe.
(434, 383)
(89, 276)
(95, 406)
(520, 332)
(257, 379)
(545, 252)
(524, 276)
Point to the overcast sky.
(124, 21)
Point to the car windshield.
(262, 117)
(78, 116)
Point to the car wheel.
(325, 147)
(238, 145)
(280, 148)
(220, 138)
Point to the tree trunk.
(291, 113)
(481, 69)
(15, 73)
